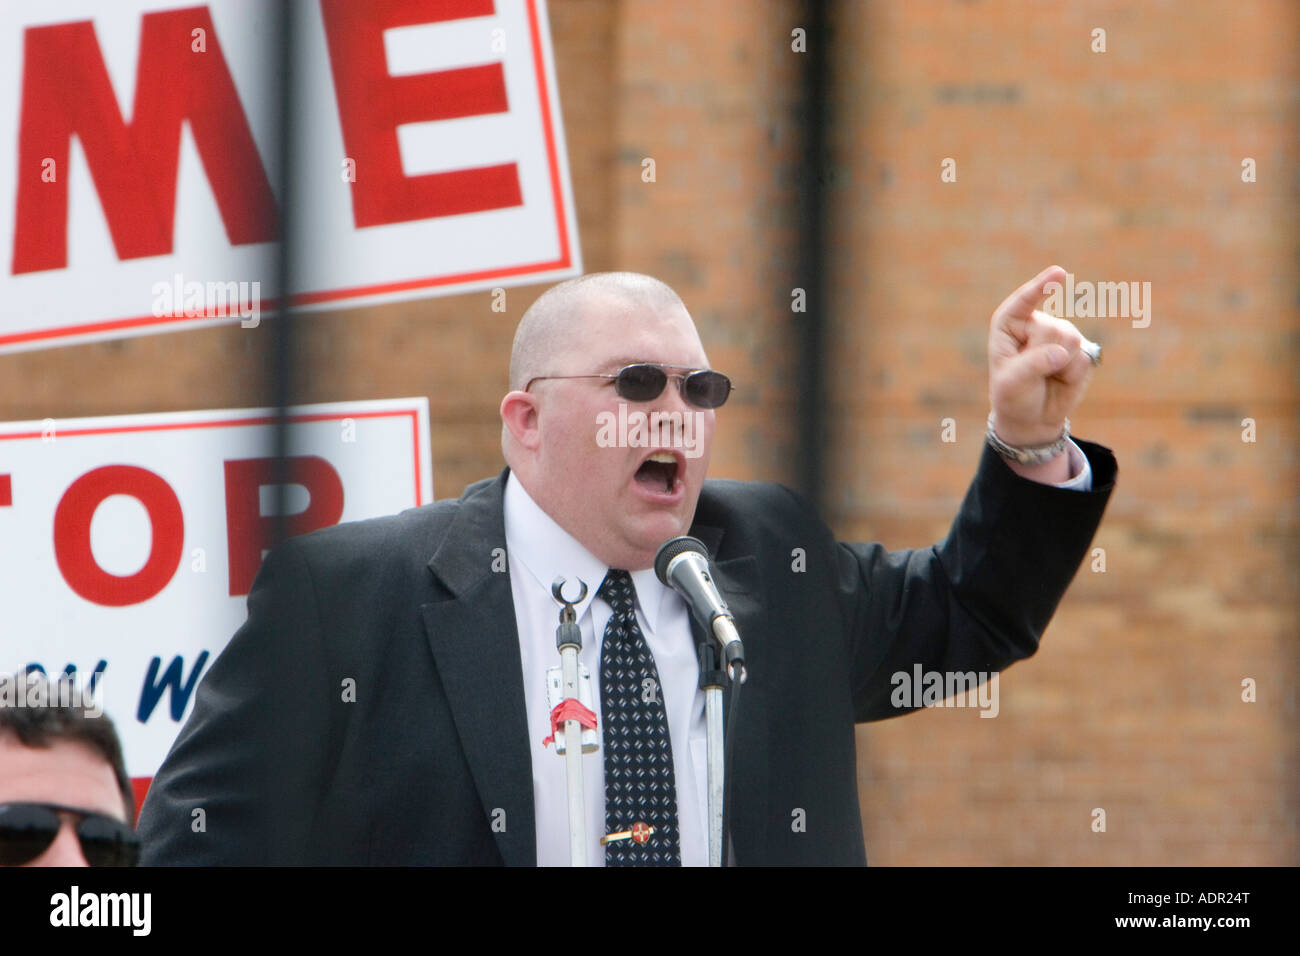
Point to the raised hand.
(1038, 370)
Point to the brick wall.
(1122, 165)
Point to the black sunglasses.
(644, 382)
(28, 829)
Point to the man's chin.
(654, 537)
(639, 544)
(646, 526)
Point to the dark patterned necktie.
(640, 787)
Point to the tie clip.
(639, 833)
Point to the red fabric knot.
(569, 709)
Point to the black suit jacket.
(371, 709)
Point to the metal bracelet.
(1036, 455)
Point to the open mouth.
(659, 471)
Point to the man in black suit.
(385, 701)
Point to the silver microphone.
(683, 565)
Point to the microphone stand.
(712, 681)
(683, 564)
(576, 716)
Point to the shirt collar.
(546, 551)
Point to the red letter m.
(66, 92)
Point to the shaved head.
(605, 491)
(552, 322)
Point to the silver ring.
(1093, 351)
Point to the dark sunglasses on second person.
(644, 382)
(28, 829)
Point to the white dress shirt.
(540, 550)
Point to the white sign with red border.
(140, 142)
(130, 543)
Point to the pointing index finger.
(1013, 316)
(1027, 298)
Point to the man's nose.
(65, 850)
(672, 399)
(673, 408)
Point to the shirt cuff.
(1080, 470)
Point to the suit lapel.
(475, 642)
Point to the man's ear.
(519, 415)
